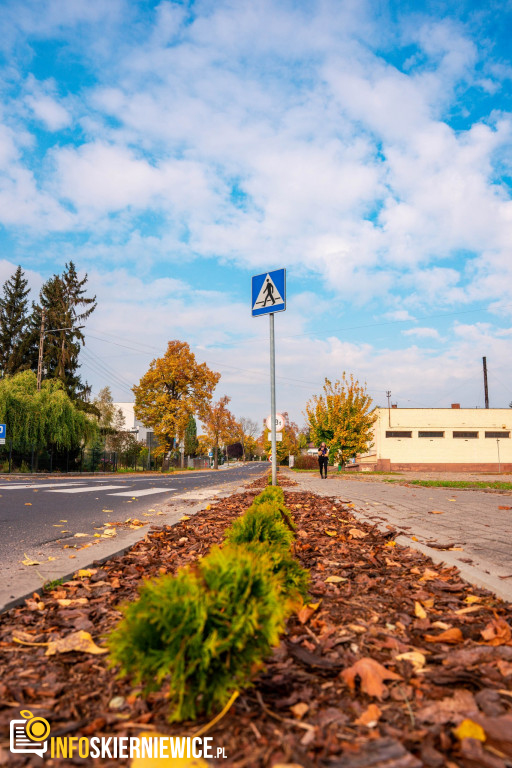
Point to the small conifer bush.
(275, 495)
(205, 631)
(261, 523)
(270, 493)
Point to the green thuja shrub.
(294, 577)
(275, 496)
(204, 631)
(260, 523)
(271, 493)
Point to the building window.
(497, 434)
(465, 435)
(430, 434)
(394, 433)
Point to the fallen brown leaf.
(371, 673)
(357, 534)
(497, 632)
(76, 641)
(307, 611)
(299, 710)
(451, 636)
(370, 716)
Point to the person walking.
(323, 453)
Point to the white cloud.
(278, 134)
(422, 333)
(49, 111)
(400, 315)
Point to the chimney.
(455, 405)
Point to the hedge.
(205, 631)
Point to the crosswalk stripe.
(143, 492)
(87, 488)
(48, 486)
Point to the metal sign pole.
(273, 397)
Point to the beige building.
(447, 439)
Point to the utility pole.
(388, 395)
(41, 343)
(486, 391)
(42, 332)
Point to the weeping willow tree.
(41, 419)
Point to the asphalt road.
(38, 515)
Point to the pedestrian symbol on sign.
(268, 292)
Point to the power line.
(344, 328)
(247, 371)
(99, 368)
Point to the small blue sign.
(269, 292)
(3, 431)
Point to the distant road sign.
(269, 292)
(3, 431)
(279, 422)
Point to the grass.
(49, 585)
(496, 484)
(348, 472)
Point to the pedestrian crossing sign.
(269, 292)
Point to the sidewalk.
(464, 528)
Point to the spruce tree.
(191, 441)
(14, 325)
(66, 307)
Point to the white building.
(131, 423)
(445, 439)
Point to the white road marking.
(48, 486)
(143, 492)
(87, 488)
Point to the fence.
(90, 460)
(78, 460)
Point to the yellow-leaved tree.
(220, 426)
(174, 388)
(342, 417)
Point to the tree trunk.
(215, 457)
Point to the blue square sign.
(269, 292)
(2, 431)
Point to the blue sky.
(172, 150)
